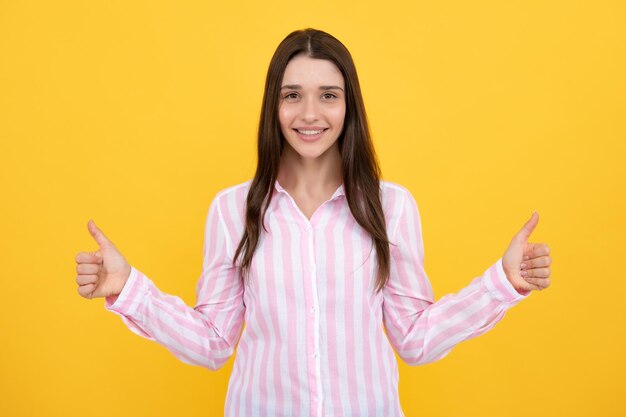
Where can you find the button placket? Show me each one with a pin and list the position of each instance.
(314, 318)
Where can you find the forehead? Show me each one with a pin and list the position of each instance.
(304, 70)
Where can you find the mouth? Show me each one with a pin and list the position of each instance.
(310, 134)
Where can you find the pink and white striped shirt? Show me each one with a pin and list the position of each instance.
(313, 342)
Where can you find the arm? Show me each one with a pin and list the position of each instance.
(205, 335)
(421, 330)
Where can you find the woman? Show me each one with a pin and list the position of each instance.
(315, 255)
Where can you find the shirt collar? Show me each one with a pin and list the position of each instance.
(339, 192)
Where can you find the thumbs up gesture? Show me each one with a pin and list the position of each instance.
(101, 273)
(526, 264)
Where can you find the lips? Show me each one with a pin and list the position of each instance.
(310, 134)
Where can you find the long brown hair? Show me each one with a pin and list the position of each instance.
(361, 173)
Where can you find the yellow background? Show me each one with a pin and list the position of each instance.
(135, 113)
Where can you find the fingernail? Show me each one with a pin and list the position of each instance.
(526, 257)
(523, 273)
(522, 266)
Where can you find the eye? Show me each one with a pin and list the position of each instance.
(290, 96)
(329, 96)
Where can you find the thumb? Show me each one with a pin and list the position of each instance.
(523, 235)
(97, 234)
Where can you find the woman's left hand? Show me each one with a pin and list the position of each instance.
(527, 264)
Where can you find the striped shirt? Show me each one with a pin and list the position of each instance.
(314, 341)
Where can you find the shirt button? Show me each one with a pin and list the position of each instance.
(311, 267)
(314, 355)
(312, 310)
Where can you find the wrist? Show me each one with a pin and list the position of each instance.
(513, 277)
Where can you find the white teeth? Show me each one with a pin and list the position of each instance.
(309, 132)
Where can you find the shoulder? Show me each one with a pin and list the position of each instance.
(234, 191)
(394, 195)
(231, 201)
(399, 206)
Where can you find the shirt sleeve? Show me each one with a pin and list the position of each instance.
(421, 330)
(205, 335)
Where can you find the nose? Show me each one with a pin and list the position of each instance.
(310, 109)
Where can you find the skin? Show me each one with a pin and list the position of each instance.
(104, 272)
(527, 264)
(311, 172)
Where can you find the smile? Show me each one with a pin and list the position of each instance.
(309, 132)
(310, 135)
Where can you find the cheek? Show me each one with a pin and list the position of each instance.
(281, 116)
(284, 117)
(339, 116)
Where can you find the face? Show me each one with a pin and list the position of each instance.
(312, 106)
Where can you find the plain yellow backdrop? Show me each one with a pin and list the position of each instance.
(135, 113)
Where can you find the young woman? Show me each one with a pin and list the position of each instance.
(315, 255)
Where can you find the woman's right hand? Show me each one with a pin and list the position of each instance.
(102, 273)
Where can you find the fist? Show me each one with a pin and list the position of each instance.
(104, 272)
(527, 264)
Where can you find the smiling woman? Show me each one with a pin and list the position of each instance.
(311, 113)
(311, 181)
(317, 256)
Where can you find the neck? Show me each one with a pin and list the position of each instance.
(310, 176)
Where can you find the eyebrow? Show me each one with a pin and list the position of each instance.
(322, 87)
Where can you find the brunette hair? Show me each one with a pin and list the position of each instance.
(361, 173)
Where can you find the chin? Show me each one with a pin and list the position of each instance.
(313, 153)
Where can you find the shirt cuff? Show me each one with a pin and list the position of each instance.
(498, 284)
(127, 301)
